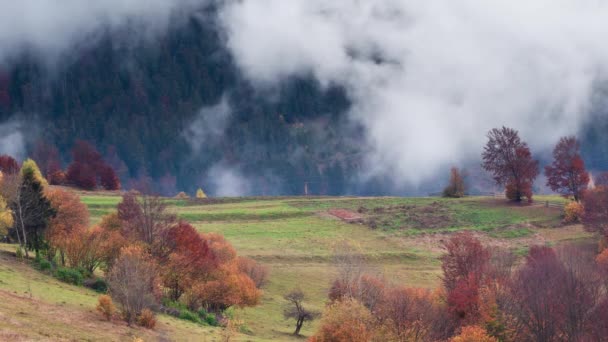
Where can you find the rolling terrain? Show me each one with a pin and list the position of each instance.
(401, 239)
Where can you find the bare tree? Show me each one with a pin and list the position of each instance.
(351, 266)
(146, 219)
(295, 309)
(132, 282)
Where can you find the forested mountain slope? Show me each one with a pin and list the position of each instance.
(176, 108)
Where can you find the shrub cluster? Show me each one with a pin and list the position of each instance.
(486, 295)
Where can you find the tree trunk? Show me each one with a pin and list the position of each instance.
(22, 225)
(298, 326)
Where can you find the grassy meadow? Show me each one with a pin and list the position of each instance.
(295, 237)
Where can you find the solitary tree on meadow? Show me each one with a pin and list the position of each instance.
(297, 311)
(567, 174)
(456, 187)
(509, 160)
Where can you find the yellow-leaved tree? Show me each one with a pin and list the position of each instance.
(200, 193)
(30, 166)
(6, 217)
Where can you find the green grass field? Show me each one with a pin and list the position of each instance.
(295, 236)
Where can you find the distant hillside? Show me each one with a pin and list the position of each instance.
(155, 108)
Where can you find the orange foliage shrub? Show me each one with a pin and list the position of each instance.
(91, 248)
(111, 222)
(346, 320)
(70, 219)
(57, 177)
(258, 273)
(473, 333)
(226, 291)
(408, 314)
(573, 212)
(106, 306)
(222, 249)
(191, 259)
(146, 319)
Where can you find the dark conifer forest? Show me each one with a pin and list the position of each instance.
(150, 107)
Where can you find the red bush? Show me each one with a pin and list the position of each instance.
(8, 165)
(82, 175)
(108, 178)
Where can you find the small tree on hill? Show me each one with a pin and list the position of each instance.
(132, 282)
(71, 216)
(510, 162)
(200, 194)
(567, 174)
(456, 187)
(295, 309)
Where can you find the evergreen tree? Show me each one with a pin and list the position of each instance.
(31, 209)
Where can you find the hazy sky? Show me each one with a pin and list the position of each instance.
(427, 78)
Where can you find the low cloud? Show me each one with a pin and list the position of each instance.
(51, 28)
(227, 181)
(208, 125)
(429, 79)
(12, 139)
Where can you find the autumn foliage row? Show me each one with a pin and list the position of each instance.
(150, 255)
(486, 295)
(147, 254)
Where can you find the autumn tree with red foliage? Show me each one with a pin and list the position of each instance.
(191, 259)
(465, 257)
(510, 162)
(464, 266)
(88, 169)
(595, 203)
(8, 165)
(108, 178)
(567, 174)
(555, 295)
(82, 175)
(84, 152)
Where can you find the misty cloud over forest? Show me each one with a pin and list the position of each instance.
(425, 80)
